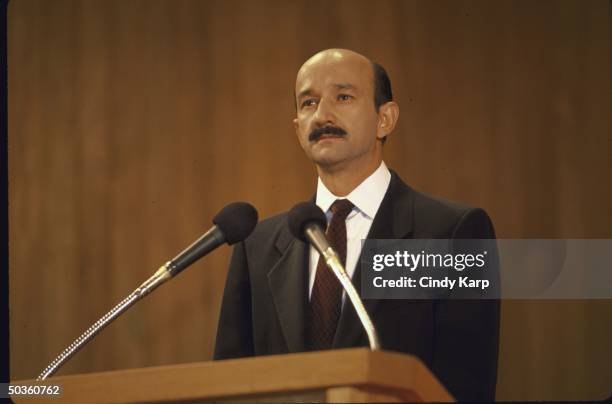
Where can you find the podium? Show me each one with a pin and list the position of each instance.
(345, 375)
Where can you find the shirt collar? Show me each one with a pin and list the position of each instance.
(367, 196)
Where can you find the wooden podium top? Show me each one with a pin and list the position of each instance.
(404, 376)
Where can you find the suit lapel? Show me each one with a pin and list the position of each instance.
(394, 220)
(289, 287)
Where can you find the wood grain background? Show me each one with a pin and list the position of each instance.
(132, 122)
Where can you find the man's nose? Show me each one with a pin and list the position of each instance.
(325, 113)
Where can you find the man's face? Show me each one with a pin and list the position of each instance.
(335, 93)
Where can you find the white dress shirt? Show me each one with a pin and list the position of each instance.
(367, 198)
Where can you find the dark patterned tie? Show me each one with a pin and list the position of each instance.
(326, 297)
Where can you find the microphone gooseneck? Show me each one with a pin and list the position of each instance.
(232, 224)
(306, 222)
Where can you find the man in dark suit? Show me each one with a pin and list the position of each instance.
(271, 304)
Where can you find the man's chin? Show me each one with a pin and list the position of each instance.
(328, 153)
(327, 160)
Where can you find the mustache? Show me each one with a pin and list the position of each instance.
(331, 130)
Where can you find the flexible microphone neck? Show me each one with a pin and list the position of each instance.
(232, 224)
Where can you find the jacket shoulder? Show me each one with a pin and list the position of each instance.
(441, 218)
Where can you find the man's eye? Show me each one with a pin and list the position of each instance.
(344, 97)
(308, 103)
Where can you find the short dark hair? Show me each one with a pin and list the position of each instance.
(382, 89)
(382, 86)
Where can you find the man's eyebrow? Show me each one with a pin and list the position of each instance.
(343, 86)
(339, 86)
(304, 93)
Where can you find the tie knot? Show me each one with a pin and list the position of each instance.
(341, 208)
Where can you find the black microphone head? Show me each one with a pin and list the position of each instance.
(303, 214)
(236, 220)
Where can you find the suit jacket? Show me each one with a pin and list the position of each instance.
(266, 297)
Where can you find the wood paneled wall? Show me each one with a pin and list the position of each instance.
(132, 122)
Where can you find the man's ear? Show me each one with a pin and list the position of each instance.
(388, 114)
(296, 126)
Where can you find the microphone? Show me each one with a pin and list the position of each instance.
(232, 224)
(306, 222)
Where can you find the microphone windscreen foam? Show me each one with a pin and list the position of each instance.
(303, 214)
(236, 220)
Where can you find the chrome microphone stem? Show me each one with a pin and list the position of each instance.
(159, 277)
(333, 262)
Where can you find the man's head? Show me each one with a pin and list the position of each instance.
(344, 110)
